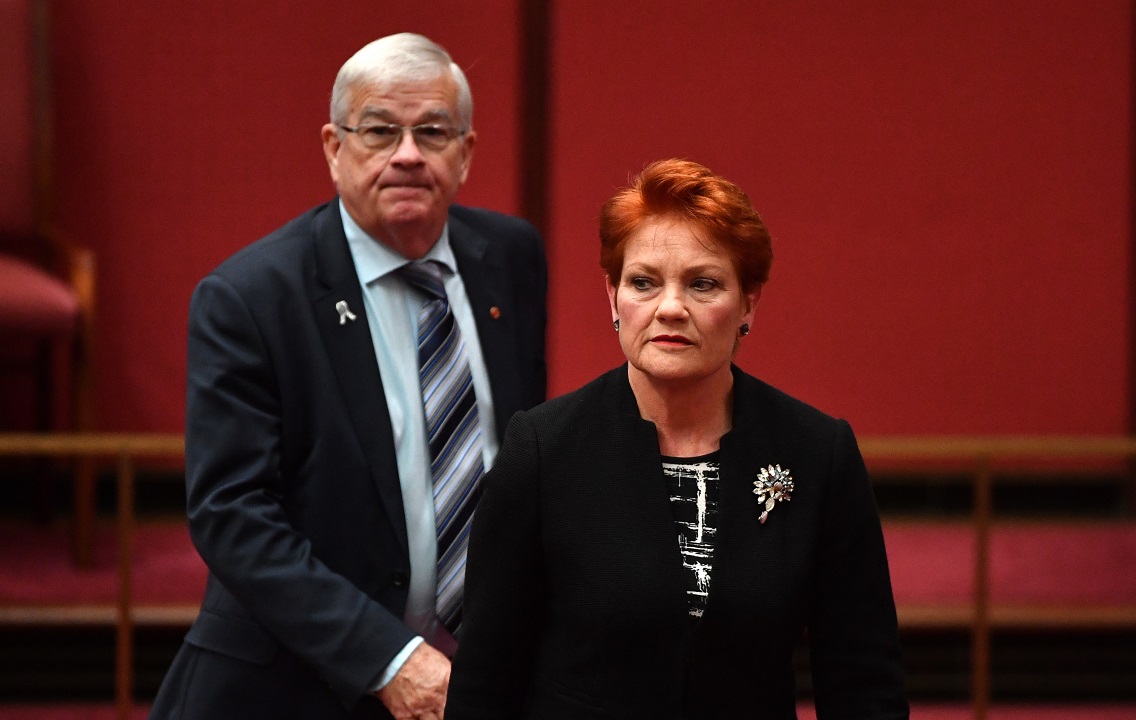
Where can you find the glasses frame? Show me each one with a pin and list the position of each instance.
(360, 131)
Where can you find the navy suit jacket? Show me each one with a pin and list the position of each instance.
(294, 498)
(575, 605)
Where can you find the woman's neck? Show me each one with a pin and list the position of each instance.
(690, 416)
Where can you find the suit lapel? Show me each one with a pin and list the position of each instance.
(494, 313)
(743, 542)
(634, 448)
(352, 356)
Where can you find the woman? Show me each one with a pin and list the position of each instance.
(654, 544)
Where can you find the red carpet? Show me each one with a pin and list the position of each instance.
(1052, 563)
(35, 566)
(930, 563)
(918, 712)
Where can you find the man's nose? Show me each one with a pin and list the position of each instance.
(406, 152)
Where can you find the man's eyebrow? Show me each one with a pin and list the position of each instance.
(373, 113)
(429, 116)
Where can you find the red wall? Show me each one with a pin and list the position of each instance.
(947, 184)
(189, 128)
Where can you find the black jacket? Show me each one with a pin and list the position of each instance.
(575, 597)
(293, 489)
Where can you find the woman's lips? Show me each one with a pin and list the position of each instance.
(671, 340)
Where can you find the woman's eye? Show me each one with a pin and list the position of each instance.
(703, 284)
(640, 283)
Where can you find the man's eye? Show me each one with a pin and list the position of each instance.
(433, 132)
(383, 131)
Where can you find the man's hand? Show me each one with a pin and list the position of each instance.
(418, 690)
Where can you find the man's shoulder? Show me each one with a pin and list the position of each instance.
(285, 249)
(492, 222)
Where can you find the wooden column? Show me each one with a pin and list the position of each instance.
(124, 621)
(980, 627)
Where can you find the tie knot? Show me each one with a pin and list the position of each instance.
(426, 275)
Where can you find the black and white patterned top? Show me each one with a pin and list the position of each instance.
(694, 502)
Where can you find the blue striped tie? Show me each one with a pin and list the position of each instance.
(453, 433)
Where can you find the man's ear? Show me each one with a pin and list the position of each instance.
(467, 142)
(331, 142)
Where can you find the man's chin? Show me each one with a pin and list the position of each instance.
(406, 214)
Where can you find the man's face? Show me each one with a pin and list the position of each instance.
(399, 195)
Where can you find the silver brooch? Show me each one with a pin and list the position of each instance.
(771, 487)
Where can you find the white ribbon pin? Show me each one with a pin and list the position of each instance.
(345, 313)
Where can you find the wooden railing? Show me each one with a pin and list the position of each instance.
(125, 450)
(978, 456)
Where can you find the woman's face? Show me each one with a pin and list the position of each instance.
(679, 303)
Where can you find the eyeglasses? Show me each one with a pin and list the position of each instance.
(384, 136)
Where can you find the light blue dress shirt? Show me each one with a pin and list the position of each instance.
(392, 309)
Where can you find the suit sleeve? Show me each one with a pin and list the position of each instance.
(504, 595)
(853, 633)
(237, 512)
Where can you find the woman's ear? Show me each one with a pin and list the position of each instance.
(751, 299)
(611, 293)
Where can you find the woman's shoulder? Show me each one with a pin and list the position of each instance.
(584, 402)
(756, 398)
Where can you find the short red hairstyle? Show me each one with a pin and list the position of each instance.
(691, 193)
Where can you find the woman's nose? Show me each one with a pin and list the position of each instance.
(671, 303)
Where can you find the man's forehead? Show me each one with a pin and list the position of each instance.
(389, 113)
(436, 97)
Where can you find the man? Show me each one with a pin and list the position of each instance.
(329, 500)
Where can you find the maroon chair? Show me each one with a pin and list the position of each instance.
(47, 284)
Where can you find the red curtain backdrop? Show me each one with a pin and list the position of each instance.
(947, 184)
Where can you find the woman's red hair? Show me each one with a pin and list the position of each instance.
(691, 193)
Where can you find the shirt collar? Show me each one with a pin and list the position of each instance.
(374, 260)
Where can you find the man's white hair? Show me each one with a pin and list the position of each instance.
(405, 57)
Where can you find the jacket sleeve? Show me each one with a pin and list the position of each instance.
(504, 586)
(853, 633)
(237, 507)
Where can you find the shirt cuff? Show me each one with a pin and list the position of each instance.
(396, 664)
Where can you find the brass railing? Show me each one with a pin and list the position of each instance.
(978, 456)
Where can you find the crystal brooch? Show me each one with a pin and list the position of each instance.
(771, 487)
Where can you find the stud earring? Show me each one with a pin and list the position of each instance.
(744, 329)
(616, 325)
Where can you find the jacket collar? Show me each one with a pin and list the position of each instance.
(747, 420)
(482, 269)
(351, 354)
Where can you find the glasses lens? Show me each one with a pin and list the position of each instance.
(388, 135)
(432, 137)
(379, 137)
